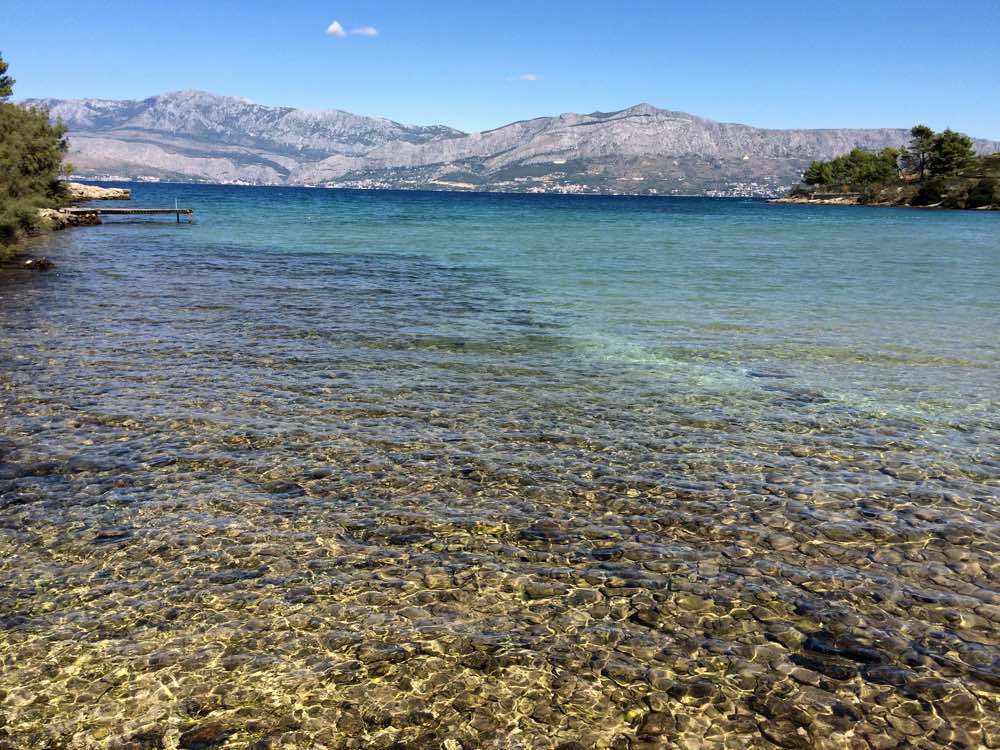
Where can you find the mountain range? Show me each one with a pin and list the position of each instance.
(202, 137)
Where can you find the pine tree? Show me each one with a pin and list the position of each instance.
(6, 82)
(916, 156)
(819, 173)
(949, 153)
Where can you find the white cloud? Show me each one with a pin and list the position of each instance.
(528, 77)
(337, 29)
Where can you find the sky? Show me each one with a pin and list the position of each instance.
(477, 65)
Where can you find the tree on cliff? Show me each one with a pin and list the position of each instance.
(31, 154)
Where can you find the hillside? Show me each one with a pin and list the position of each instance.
(192, 135)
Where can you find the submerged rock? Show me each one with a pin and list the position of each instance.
(847, 648)
(204, 736)
(39, 264)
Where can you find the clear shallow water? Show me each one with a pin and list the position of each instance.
(349, 469)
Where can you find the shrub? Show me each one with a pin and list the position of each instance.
(858, 168)
(931, 192)
(871, 194)
(31, 154)
(19, 218)
(983, 193)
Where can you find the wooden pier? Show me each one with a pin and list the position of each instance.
(178, 212)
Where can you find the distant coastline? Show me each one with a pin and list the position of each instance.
(119, 179)
(751, 193)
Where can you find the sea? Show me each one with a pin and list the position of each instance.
(351, 469)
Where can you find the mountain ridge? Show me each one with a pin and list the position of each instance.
(196, 135)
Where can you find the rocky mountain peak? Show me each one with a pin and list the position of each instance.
(197, 135)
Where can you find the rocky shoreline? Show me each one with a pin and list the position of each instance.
(833, 200)
(854, 199)
(60, 218)
(57, 219)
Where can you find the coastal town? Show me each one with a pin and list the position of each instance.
(555, 184)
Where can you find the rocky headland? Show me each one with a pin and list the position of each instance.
(935, 170)
(61, 218)
(78, 192)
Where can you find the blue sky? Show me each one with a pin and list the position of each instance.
(476, 65)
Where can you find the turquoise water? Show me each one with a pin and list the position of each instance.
(349, 469)
(694, 287)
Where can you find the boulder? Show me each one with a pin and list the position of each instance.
(58, 219)
(78, 192)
